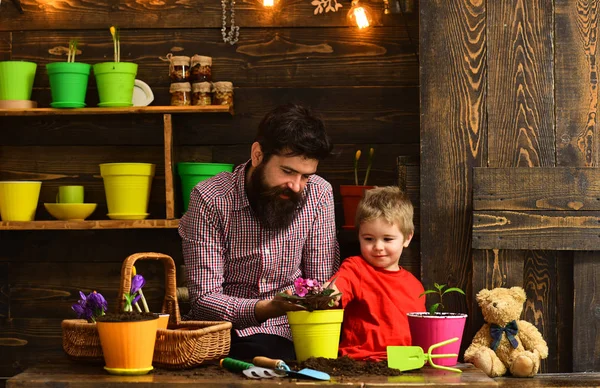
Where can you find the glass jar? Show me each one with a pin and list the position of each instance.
(201, 69)
(179, 68)
(181, 94)
(223, 93)
(201, 94)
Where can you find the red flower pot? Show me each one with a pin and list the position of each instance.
(351, 196)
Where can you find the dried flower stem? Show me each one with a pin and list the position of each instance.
(369, 163)
(356, 157)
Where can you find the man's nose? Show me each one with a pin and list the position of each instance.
(295, 184)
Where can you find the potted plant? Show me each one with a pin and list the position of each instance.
(128, 338)
(68, 80)
(352, 194)
(315, 330)
(436, 326)
(116, 79)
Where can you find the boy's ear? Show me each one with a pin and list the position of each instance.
(407, 240)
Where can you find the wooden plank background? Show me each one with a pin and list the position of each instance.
(364, 84)
(538, 113)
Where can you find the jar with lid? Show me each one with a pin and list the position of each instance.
(223, 93)
(179, 68)
(201, 69)
(181, 93)
(201, 94)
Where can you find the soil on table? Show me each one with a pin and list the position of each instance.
(338, 367)
(127, 316)
(345, 366)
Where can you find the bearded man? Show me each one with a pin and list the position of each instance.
(249, 234)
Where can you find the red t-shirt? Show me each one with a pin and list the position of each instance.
(376, 302)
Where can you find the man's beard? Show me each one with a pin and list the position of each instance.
(272, 211)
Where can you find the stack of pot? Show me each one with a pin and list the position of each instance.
(16, 83)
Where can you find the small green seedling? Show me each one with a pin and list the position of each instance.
(441, 292)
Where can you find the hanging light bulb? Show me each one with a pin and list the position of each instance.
(268, 3)
(360, 15)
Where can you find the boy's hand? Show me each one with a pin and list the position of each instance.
(336, 291)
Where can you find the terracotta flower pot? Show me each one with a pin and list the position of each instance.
(351, 196)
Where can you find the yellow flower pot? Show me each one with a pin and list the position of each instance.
(316, 333)
(19, 199)
(127, 187)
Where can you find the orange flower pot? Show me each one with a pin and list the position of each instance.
(128, 347)
(351, 196)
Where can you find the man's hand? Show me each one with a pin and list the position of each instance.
(273, 308)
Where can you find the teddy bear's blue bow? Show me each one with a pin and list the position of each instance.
(511, 330)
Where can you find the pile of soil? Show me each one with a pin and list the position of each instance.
(345, 366)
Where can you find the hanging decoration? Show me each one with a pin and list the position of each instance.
(327, 5)
(232, 36)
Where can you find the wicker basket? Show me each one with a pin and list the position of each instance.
(81, 341)
(184, 344)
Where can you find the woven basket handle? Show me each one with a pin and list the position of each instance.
(170, 304)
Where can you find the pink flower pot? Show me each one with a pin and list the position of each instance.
(427, 330)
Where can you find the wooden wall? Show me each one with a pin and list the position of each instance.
(511, 84)
(363, 83)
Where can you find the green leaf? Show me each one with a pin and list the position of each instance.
(433, 308)
(439, 286)
(453, 289)
(428, 292)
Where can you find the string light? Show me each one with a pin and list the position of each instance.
(359, 15)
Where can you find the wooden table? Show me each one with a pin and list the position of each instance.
(82, 376)
(72, 375)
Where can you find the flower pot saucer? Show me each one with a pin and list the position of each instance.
(127, 216)
(67, 104)
(114, 104)
(127, 371)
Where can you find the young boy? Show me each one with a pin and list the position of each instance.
(376, 292)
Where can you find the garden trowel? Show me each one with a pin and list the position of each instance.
(281, 366)
(412, 357)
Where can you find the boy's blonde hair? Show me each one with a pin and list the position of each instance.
(389, 203)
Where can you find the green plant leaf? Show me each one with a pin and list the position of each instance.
(433, 308)
(439, 286)
(453, 289)
(428, 292)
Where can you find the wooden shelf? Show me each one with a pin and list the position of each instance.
(89, 224)
(113, 111)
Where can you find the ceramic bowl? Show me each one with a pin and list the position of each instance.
(70, 211)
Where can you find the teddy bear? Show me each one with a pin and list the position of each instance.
(505, 342)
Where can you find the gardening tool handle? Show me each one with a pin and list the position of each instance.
(267, 362)
(444, 355)
(233, 365)
(170, 305)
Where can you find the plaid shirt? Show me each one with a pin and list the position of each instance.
(232, 262)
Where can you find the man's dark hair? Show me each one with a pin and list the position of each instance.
(293, 130)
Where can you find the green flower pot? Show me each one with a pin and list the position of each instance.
(115, 82)
(68, 83)
(193, 173)
(16, 80)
